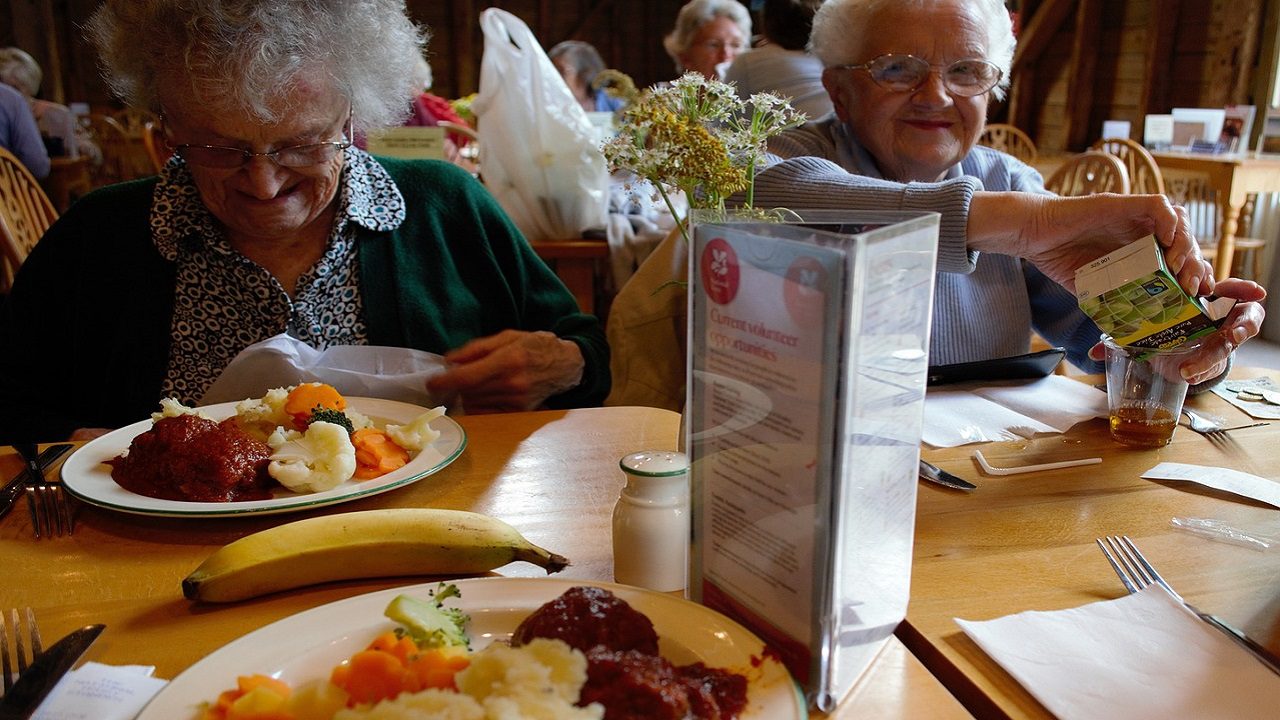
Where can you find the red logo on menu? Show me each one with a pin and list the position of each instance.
(720, 271)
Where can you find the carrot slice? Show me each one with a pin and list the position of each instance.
(307, 397)
(373, 675)
(376, 453)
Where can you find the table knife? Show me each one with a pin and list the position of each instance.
(935, 474)
(45, 671)
(11, 490)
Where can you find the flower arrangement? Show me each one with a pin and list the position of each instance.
(698, 137)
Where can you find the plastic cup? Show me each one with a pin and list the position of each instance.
(1145, 390)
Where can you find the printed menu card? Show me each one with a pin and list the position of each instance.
(808, 360)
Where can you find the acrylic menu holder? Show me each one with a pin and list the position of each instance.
(808, 361)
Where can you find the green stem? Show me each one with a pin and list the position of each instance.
(682, 224)
(751, 182)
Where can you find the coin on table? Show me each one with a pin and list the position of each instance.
(1251, 395)
(1271, 396)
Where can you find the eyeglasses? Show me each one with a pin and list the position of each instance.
(294, 156)
(721, 45)
(906, 73)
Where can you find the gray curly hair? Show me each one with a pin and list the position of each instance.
(697, 13)
(838, 25)
(247, 54)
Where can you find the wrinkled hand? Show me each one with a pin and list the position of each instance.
(1059, 234)
(86, 434)
(513, 370)
(1243, 322)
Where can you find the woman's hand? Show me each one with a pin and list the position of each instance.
(1059, 235)
(1243, 322)
(513, 370)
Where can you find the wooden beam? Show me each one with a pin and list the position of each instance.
(1038, 31)
(1083, 72)
(1162, 28)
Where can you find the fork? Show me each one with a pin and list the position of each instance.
(26, 647)
(51, 512)
(1205, 426)
(1136, 573)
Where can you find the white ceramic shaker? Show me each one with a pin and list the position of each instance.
(651, 522)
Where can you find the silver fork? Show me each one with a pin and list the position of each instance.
(1136, 573)
(51, 511)
(26, 645)
(1205, 426)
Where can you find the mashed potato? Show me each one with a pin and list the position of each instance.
(539, 681)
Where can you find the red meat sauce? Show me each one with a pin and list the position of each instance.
(191, 458)
(625, 674)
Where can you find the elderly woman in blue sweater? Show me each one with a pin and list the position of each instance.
(268, 221)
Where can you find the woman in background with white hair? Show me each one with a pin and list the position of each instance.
(708, 35)
(57, 125)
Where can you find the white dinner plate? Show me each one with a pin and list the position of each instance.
(307, 645)
(87, 476)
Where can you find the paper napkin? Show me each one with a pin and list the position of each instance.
(959, 415)
(1141, 656)
(95, 691)
(1232, 481)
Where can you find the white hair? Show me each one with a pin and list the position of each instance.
(838, 25)
(248, 54)
(697, 13)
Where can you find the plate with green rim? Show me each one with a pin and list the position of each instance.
(87, 476)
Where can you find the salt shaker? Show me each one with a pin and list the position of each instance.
(651, 521)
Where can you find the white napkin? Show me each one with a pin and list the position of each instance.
(390, 373)
(1232, 481)
(970, 413)
(1142, 656)
(95, 691)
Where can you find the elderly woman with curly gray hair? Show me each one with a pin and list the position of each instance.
(268, 221)
(708, 35)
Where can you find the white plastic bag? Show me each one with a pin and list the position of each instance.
(538, 154)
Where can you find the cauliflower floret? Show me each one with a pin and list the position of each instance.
(315, 461)
(170, 407)
(418, 433)
(358, 421)
(259, 416)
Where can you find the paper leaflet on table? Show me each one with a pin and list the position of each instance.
(963, 414)
(1230, 390)
(1225, 479)
(95, 691)
(1141, 656)
(390, 373)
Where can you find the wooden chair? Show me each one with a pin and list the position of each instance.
(1204, 213)
(1088, 173)
(111, 138)
(1144, 174)
(25, 213)
(157, 146)
(1009, 139)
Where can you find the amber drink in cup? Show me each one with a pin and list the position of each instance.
(1145, 390)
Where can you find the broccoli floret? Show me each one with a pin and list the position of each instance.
(430, 623)
(320, 413)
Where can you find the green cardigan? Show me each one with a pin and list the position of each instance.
(86, 326)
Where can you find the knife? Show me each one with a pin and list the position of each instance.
(935, 474)
(10, 492)
(45, 671)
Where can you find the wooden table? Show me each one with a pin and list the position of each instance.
(1233, 176)
(554, 475)
(1026, 542)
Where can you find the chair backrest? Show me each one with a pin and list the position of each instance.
(1088, 173)
(112, 139)
(157, 147)
(1009, 139)
(25, 213)
(1144, 173)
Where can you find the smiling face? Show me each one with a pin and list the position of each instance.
(916, 135)
(717, 42)
(261, 201)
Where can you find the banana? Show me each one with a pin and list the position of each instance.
(372, 543)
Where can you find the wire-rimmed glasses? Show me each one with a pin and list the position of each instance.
(294, 156)
(906, 73)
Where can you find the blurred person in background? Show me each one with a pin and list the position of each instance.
(708, 35)
(59, 130)
(780, 64)
(268, 221)
(579, 63)
(19, 134)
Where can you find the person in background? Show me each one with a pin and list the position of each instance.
(910, 83)
(780, 64)
(268, 221)
(58, 127)
(708, 35)
(19, 134)
(579, 63)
